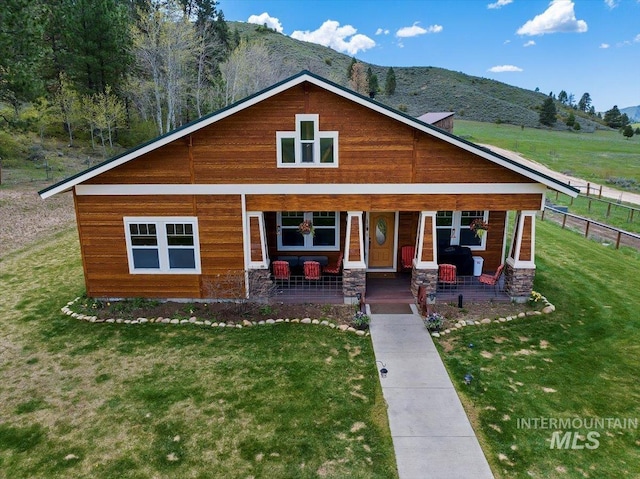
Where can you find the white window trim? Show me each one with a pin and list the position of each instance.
(296, 135)
(456, 227)
(163, 247)
(308, 239)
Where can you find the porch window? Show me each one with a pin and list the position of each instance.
(325, 236)
(307, 146)
(452, 228)
(162, 245)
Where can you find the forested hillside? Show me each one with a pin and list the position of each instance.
(109, 74)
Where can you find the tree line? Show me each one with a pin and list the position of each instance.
(100, 66)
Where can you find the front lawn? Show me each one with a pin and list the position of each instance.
(137, 401)
(580, 362)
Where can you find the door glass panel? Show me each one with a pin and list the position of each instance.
(381, 231)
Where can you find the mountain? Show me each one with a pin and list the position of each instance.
(419, 89)
(633, 112)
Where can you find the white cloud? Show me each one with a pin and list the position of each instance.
(265, 18)
(499, 4)
(381, 31)
(415, 30)
(604, 45)
(505, 68)
(331, 34)
(611, 3)
(530, 43)
(637, 38)
(558, 17)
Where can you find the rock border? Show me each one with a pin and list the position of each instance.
(547, 309)
(66, 310)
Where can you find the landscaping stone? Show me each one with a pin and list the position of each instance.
(548, 309)
(315, 321)
(306, 321)
(485, 321)
(271, 321)
(247, 323)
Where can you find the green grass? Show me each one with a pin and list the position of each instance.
(614, 215)
(87, 400)
(601, 156)
(581, 361)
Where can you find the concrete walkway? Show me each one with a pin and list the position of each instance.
(432, 436)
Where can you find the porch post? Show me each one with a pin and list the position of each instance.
(259, 283)
(520, 266)
(425, 264)
(354, 270)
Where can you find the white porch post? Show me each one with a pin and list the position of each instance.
(520, 266)
(257, 277)
(354, 270)
(425, 263)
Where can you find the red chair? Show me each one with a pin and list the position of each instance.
(492, 279)
(334, 268)
(448, 274)
(407, 253)
(281, 270)
(311, 270)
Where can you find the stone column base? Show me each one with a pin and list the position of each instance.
(518, 282)
(260, 285)
(354, 281)
(426, 277)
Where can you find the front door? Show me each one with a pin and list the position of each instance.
(381, 240)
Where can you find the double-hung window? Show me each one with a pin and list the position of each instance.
(307, 146)
(162, 245)
(453, 228)
(325, 234)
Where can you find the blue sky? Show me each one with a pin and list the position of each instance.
(573, 45)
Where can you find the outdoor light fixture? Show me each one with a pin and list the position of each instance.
(383, 370)
(467, 378)
(358, 296)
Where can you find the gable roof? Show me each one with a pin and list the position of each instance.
(435, 116)
(305, 76)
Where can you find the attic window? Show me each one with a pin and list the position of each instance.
(307, 146)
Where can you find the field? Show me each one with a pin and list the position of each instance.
(579, 362)
(605, 157)
(99, 400)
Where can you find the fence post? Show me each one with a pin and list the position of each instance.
(564, 220)
(586, 230)
(588, 188)
(608, 210)
(600, 194)
(589, 205)
(618, 240)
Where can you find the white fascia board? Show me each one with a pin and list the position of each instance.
(312, 189)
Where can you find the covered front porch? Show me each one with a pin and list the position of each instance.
(366, 257)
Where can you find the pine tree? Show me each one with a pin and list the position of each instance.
(548, 112)
(390, 82)
(613, 118)
(628, 132)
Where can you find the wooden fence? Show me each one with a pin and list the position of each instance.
(590, 228)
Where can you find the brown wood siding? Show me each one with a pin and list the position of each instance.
(256, 243)
(525, 247)
(104, 251)
(103, 245)
(354, 241)
(330, 202)
(427, 240)
(221, 250)
(407, 230)
(495, 236)
(167, 165)
(373, 148)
